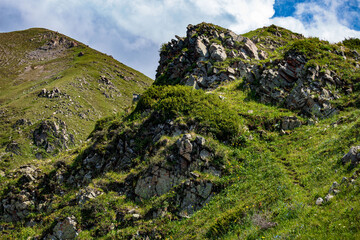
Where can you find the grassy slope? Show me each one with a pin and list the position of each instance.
(22, 78)
(280, 179)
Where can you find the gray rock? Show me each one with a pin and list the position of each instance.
(185, 147)
(205, 155)
(251, 48)
(217, 52)
(66, 229)
(328, 197)
(352, 156)
(201, 49)
(200, 141)
(263, 55)
(319, 201)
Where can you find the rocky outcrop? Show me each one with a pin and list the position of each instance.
(353, 156)
(52, 135)
(21, 122)
(55, 46)
(192, 155)
(210, 55)
(193, 60)
(17, 205)
(288, 83)
(55, 93)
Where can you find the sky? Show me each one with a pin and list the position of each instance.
(132, 31)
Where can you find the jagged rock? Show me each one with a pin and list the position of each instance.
(251, 48)
(333, 189)
(353, 156)
(136, 97)
(201, 49)
(262, 55)
(192, 156)
(217, 52)
(105, 80)
(18, 205)
(65, 230)
(192, 196)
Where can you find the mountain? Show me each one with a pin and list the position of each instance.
(250, 136)
(53, 89)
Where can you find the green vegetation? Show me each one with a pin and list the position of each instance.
(207, 111)
(352, 43)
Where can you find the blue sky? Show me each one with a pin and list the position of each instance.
(133, 30)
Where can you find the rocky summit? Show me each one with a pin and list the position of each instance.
(252, 136)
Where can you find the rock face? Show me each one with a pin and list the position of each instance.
(296, 87)
(210, 55)
(52, 135)
(178, 173)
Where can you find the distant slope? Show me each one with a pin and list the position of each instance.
(45, 75)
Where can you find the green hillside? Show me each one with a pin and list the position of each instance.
(46, 76)
(252, 136)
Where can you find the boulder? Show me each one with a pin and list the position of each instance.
(201, 49)
(319, 201)
(217, 52)
(353, 156)
(86, 194)
(65, 230)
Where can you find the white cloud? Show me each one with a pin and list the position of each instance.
(320, 19)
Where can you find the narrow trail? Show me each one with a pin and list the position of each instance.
(291, 172)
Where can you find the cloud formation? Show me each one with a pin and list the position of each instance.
(132, 31)
(323, 19)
